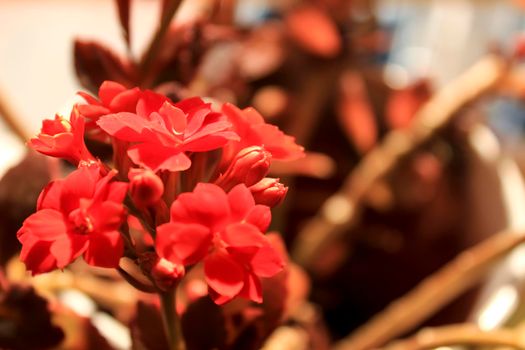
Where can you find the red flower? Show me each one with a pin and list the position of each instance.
(162, 133)
(114, 98)
(80, 214)
(226, 231)
(63, 138)
(254, 131)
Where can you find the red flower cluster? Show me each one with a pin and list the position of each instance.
(226, 231)
(220, 207)
(78, 215)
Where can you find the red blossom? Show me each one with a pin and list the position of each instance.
(80, 214)
(113, 98)
(254, 131)
(63, 138)
(162, 132)
(226, 232)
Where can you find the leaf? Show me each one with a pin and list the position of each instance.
(26, 321)
(164, 8)
(18, 199)
(281, 293)
(203, 325)
(123, 7)
(95, 63)
(355, 113)
(314, 31)
(147, 330)
(403, 104)
(262, 52)
(168, 10)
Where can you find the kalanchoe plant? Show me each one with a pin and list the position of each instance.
(195, 178)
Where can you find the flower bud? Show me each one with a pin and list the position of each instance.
(145, 188)
(166, 274)
(269, 192)
(248, 167)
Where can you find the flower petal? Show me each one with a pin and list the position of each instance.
(108, 90)
(196, 119)
(243, 235)
(206, 205)
(36, 256)
(68, 248)
(117, 191)
(210, 142)
(124, 126)
(252, 288)
(260, 216)
(45, 225)
(189, 104)
(241, 202)
(157, 157)
(79, 184)
(125, 101)
(223, 274)
(267, 262)
(186, 243)
(150, 102)
(107, 216)
(174, 118)
(280, 145)
(49, 198)
(105, 249)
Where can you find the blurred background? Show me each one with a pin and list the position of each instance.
(413, 115)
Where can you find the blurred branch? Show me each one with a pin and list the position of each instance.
(11, 119)
(461, 334)
(436, 291)
(339, 212)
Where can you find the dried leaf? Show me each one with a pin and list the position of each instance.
(403, 104)
(314, 31)
(262, 52)
(18, 198)
(26, 321)
(281, 293)
(203, 325)
(123, 7)
(147, 330)
(355, 113)
(314, 164)
(149, 63)
(95, 63)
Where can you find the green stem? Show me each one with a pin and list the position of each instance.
(171, 321)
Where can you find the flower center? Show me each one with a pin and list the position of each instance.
(82, 222)
(217, 244)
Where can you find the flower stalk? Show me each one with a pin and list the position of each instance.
(171, 321)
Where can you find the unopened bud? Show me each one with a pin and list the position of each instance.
(166, 274)
(269, 192)
(248, 167)
(146, 188)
